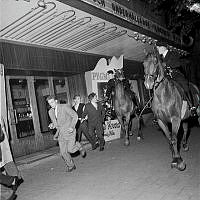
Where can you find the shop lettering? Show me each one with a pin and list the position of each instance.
(109, 133)
(100, 2)
(123, 12)
(99, 76)
(113, 125)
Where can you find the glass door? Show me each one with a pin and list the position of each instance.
(22, 113)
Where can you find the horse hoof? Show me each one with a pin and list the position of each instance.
(181, 166)
(185, 147)
(130, 134)
(126, 143)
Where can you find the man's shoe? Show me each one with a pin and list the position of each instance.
(71, 168)
(18, 182)
(83, 152)
(95, 146)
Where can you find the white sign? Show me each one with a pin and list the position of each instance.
(97, 79)
(112, 130)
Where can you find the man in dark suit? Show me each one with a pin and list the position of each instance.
(172, 62)
(96, 114)
(126, 84)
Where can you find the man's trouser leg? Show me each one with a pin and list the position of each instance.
(6, 180)
(84, 129)
(63, 144)
(72, 145)
(99, 132)
(11, 169)
(91, 130)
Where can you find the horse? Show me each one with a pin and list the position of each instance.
(124, 107)
(168, 106)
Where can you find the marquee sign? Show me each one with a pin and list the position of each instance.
(123, 12)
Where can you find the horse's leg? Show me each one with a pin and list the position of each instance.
(130, 127)
(165, 129)
(139, 131)
(185, 137)
(122, 125)
(126, 126)
(177, 160)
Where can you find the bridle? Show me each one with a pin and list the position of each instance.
(154, 76)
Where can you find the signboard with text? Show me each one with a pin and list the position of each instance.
(112, 130)
(129, 15)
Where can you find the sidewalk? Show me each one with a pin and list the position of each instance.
(48, 154)
(34, 159)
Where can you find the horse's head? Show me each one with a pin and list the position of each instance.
(152, 70)
(119, 74)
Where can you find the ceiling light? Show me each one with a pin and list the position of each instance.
(41, 4)
(195, 7)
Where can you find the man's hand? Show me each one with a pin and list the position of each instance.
(51, 126)
(55, 137)
(70, 130)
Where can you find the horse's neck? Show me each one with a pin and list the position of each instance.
(119, 90)
(160, 76)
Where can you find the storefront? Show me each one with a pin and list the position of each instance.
(47, 47)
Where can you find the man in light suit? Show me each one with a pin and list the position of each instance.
(64, 119)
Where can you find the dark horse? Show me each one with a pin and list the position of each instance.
(124, 107)
(168, 105)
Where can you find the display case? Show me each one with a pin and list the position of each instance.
(21, 108)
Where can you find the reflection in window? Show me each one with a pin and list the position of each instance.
(41, 92)
(60, 90)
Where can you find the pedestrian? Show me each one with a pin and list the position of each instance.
(64, 119)
(96, 113)
(7, 163)
(8, 183)
(78, 108)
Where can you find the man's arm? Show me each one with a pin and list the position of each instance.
(73, 115)
(53, 119)
(85, 112)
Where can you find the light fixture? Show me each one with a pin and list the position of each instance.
(194, 7)
(41, 4)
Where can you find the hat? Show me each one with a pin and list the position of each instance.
(110, 72)
(161, 43)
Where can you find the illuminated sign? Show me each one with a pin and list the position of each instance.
(123, 12)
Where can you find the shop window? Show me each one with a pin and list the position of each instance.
(21, 108)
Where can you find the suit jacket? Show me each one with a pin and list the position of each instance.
(79, 111)
(94, 115)
(66, 118)
(172, 60)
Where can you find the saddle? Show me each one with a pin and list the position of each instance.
(192, 101)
